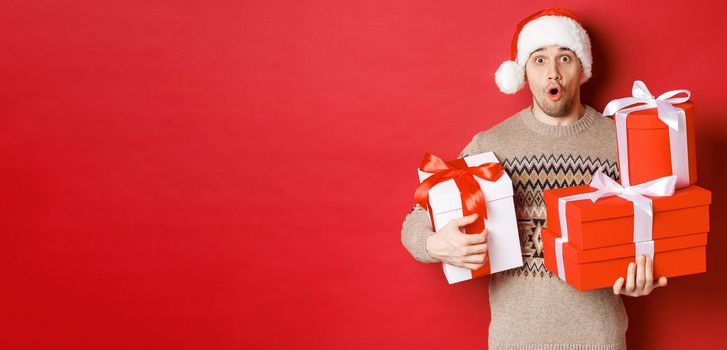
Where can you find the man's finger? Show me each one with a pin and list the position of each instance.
(476, 249)
(618, 285)
(472, 266)
(465, 220)
(649, 276)
(476, 238)
(474, 259)
(662, 282)
(640, 280)
(630, 276)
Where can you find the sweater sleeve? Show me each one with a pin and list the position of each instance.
(416, 228)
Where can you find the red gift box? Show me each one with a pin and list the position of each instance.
(595, 231)
(610, 220)
(655, 137)
(601, 267)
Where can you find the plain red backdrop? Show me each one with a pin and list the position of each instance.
(233, 174)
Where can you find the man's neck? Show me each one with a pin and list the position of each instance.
(576, 113)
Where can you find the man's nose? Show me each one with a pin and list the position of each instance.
(554, 71)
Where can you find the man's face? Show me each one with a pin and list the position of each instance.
(554, 75)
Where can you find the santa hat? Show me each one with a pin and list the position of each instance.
(554, 26)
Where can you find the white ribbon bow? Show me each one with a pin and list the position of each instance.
(667, 113)
(607, 186)
(672, 116)
(643, 210)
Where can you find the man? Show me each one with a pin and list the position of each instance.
(556, 142)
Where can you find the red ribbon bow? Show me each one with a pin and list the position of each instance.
(473, 200)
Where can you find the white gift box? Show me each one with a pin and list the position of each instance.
(503, 241)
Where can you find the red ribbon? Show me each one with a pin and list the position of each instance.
(473, 200)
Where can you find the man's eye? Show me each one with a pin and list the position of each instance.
(564, 59)
(539, 60)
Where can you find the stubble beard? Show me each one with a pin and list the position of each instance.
(556, 109)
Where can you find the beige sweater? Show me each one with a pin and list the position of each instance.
(531, 308)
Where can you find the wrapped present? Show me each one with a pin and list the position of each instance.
(601, 267)
(655, 136)
(610, 221)
(473, 184)
(604, 226)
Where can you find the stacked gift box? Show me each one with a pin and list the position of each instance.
(594, 231)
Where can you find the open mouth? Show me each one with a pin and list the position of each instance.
(554, 93)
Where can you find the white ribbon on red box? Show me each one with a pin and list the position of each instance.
(643, 210)
(673, 117)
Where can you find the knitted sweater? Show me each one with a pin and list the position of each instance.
(531, 308)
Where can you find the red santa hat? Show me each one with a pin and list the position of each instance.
(553, 26)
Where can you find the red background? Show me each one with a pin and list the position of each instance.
(230, 174)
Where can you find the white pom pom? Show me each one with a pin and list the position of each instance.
(510, 77)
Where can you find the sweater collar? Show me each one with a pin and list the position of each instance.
(585, 122)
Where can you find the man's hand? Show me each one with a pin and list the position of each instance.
(453, 247)
(639, 279)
